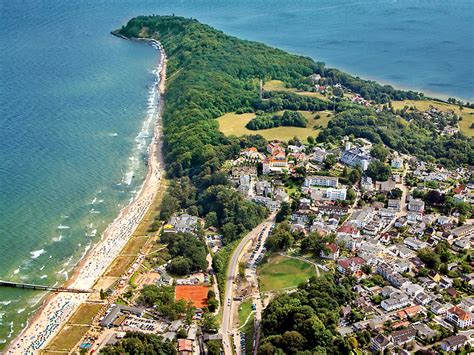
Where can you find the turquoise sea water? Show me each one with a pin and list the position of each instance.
(73, 100)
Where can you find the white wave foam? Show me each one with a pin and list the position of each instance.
(37, 253)
(43, 277)
(16, 271)
(57, 239)
(5, 303)
(93, 211)
(41, 268)
(63, 227)
(21, 310)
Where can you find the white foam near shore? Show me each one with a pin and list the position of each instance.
(61, 306)
(36, 253)
(57, 239)
(63, 227)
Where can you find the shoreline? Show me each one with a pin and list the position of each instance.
(57, 308)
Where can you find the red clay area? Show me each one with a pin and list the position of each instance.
(197, 294)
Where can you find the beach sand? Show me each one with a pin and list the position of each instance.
(57, 308)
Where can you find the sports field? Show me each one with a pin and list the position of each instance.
(281, 272)
(197, 294)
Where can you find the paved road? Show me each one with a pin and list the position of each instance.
(233, 269)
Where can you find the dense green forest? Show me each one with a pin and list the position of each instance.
(188, 253)
(307, 319)
(288, 119)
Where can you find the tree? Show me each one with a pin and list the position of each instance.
(354, 176)
(284, 212)
(396, 193)
(431, 259)
(330, 161)
(213, 347)
(209, 322)
(378, 171)
(379, 152)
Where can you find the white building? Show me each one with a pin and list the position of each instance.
(330, 194)
(316, 180)
(356, 157)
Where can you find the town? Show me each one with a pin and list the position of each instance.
(334, 216)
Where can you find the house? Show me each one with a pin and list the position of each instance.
(424, 332)
(316, 180)
(454, 342)
(366, 183)
(403, 336)
(394, 204)
(273, 165)
(409, 312)
(387, 213)
(467, 304)
(379, 343)
(397, 300)
(414, 244)
(466, 230)
(397, 163)
(318, 155)
(356, 157)
(414, 217)
(360, 218)
(185, 346)
(416, 205)
(400, 222)
(329, 193)
(422, 298)
(332, 252)
(350, 265)
(438, 308)
(413, 289)
(274, 148)
(184, 223)
(459, 317)
(387, 291)
(296, 148)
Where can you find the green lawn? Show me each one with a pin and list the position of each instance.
(85, 313)
(278, 85)
(244, 311)
(234, 124)
(67, 338)
(281, 272)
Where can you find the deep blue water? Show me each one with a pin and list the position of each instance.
(73, 99)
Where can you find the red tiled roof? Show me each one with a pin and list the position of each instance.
(461, 313)
(347, 229)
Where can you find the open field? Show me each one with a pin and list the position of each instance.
(67, 338)
(85, 313)
(281, 272)
(278, 85)
(194, 293)
(119, 266)
(234, 124)
(422, 105)
(134, 245)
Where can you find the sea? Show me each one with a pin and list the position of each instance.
(75, 104)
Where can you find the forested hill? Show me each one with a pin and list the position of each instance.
(210, 73)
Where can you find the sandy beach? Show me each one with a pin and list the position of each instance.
(57, 308)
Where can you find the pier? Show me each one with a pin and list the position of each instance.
(42, 287)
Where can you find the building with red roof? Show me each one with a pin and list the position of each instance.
(460, 317)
